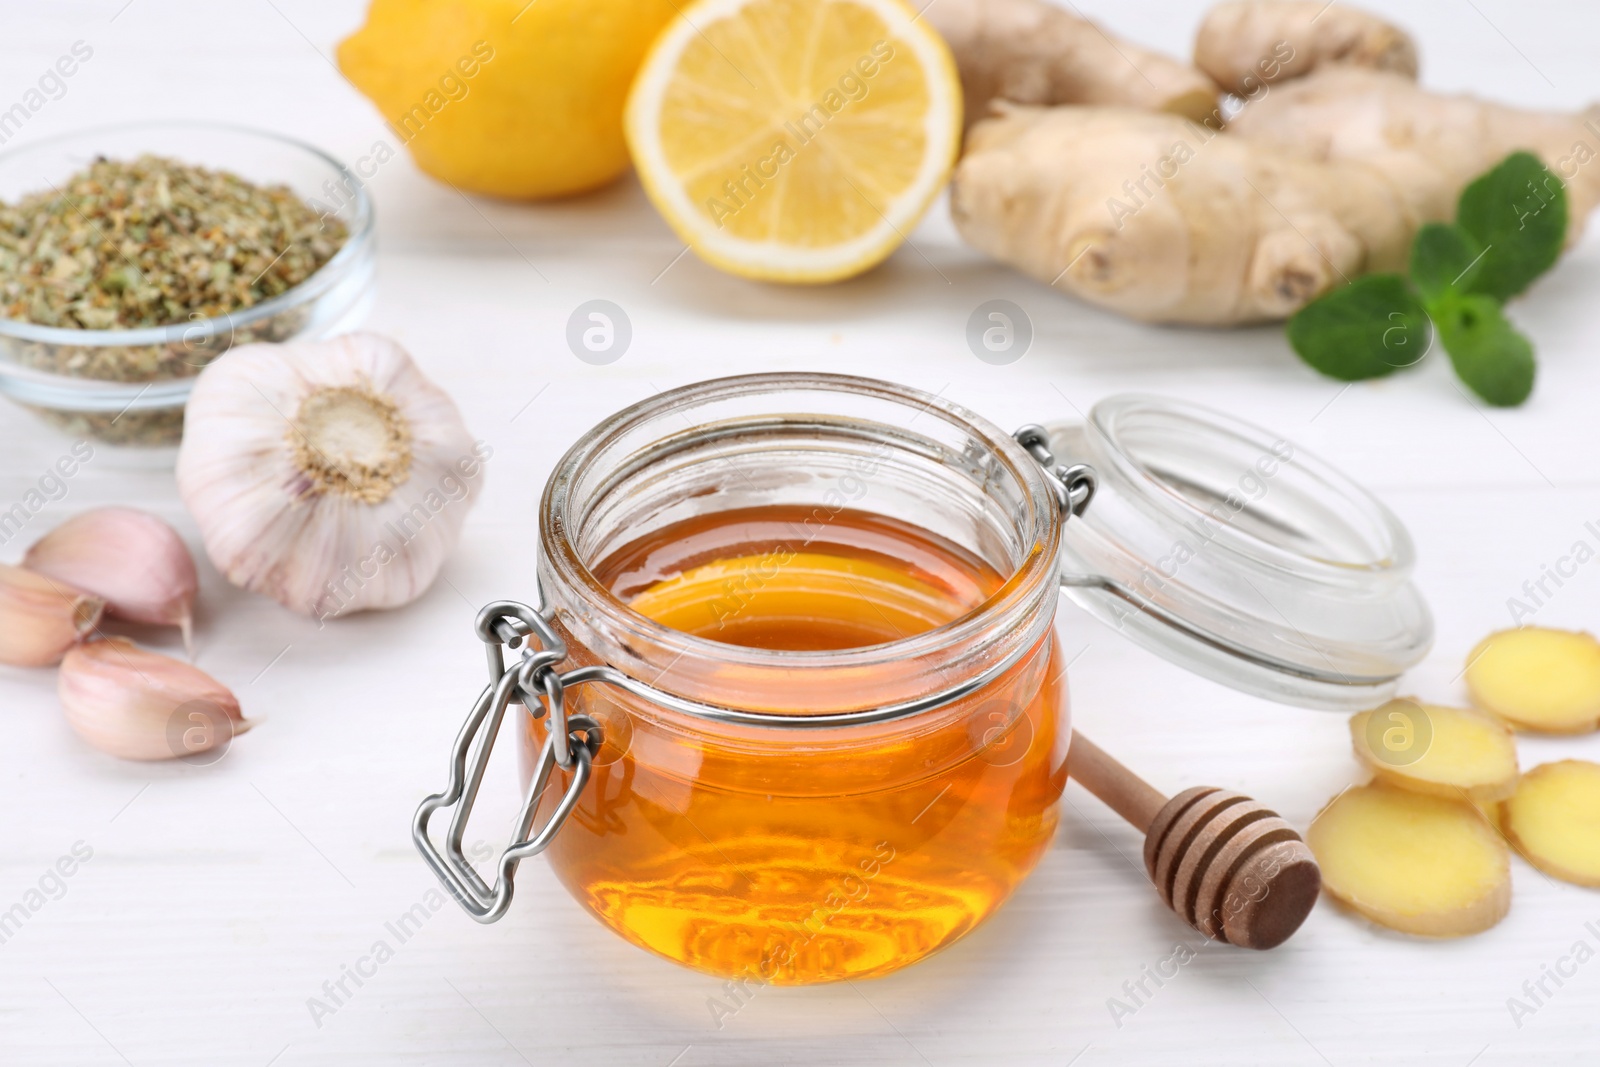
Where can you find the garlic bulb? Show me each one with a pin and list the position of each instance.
(329, 475)
(40, 618)
(142, 705)
(135, 561)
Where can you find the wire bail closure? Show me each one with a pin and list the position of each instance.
(572, 741)
(570, 745)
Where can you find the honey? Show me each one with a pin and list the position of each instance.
(773, 578)
(794, 856)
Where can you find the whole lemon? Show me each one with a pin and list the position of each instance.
(512, 98)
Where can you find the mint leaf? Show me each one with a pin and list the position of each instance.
(1443, 257)
(1489, 354)
(1518, 212)
(1367, 329)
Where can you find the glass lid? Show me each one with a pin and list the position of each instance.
(1239, 555)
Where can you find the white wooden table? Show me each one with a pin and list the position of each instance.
(219, 900)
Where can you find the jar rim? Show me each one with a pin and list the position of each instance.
(1031, 579)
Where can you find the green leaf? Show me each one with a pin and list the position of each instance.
(1489, 354)
(1518, 212)
(1443, 257)
(1367, 329)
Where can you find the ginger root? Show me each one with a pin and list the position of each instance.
(1032, 52)
(1317, 180)
(1538, 679)
(1426, 146)
(1554, 820)
(1324, 178)
(1440, 751)
(1166, 220)
(1414, 863)
(1246, 44)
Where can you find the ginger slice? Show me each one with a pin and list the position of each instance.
(1495, 812)
(1538, 679)
(1411, 862)
(1554, 820)
(1446, 752)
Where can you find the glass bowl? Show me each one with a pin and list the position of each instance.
(52, 369)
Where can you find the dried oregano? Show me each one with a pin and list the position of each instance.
(152, 242)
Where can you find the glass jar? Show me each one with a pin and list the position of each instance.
(805, 815)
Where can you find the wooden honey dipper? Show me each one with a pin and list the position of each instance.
(1229, 867)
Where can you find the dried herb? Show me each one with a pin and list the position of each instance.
(153, 242)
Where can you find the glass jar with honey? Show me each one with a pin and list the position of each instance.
(794, 704)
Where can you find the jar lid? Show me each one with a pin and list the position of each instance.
(1234, 552)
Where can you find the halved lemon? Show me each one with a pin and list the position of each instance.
(795, 140)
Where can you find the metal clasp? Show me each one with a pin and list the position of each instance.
(570, 745)
(1074, 485)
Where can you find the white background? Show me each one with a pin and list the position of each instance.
(220, 899)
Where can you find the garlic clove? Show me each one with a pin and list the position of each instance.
(141, 705)
(40, 617)
(332, 476)
(135, 561)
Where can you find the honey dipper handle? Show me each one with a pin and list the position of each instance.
(1229, 867)
(1123, 791)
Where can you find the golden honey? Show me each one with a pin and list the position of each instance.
(804, 855)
